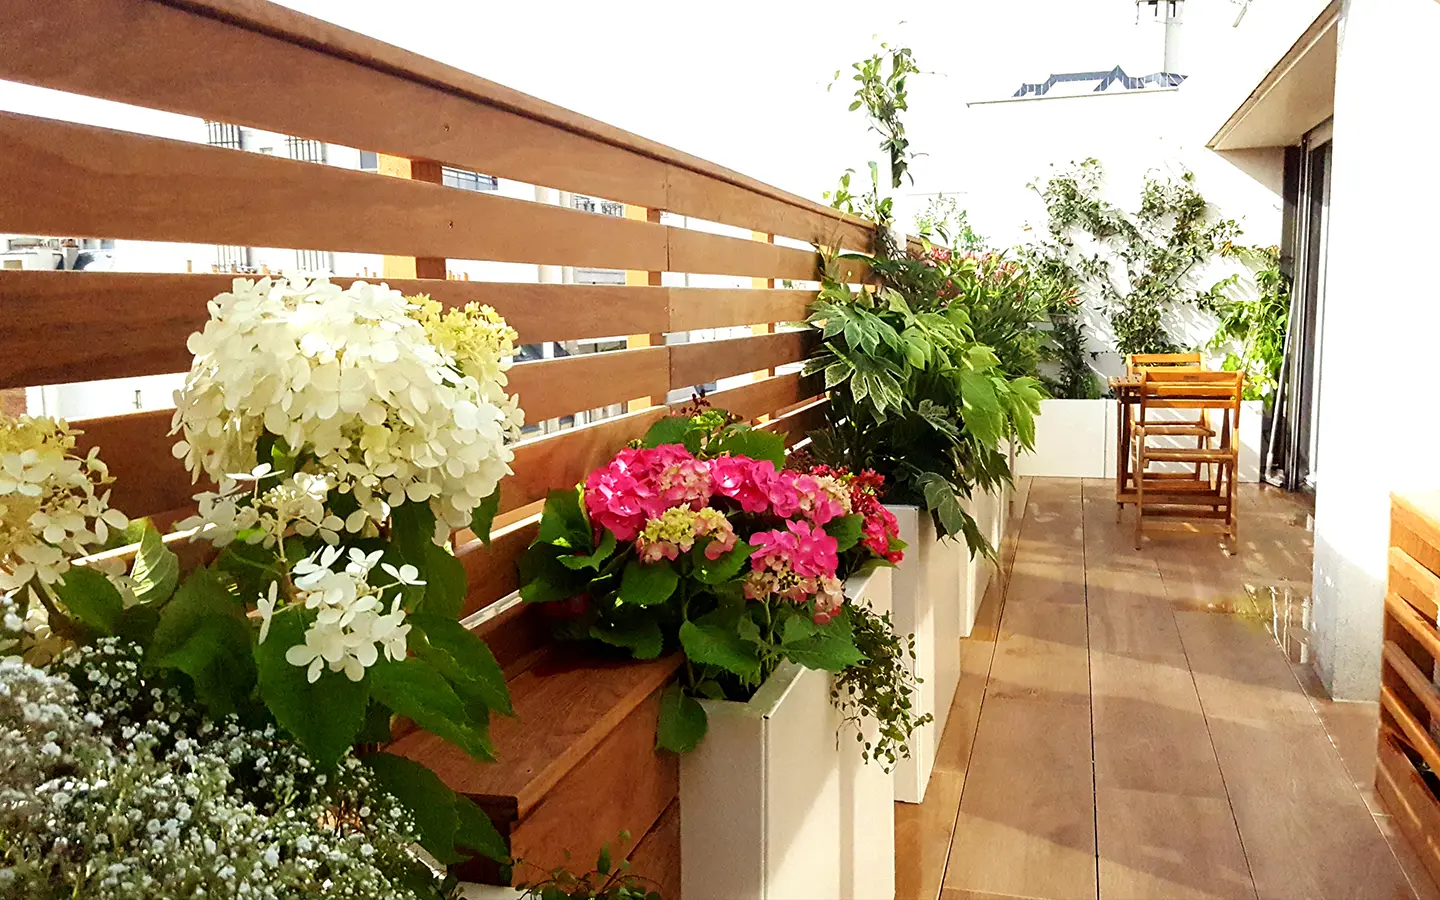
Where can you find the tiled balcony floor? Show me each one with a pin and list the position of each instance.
(1127, 726)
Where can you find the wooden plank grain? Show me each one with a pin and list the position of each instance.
(563, 459)
(136, 448)
(555, 387)
(63, 327)
(104, 183)
(704, 361)
(696, 308)
(233, 60)
(765, 397)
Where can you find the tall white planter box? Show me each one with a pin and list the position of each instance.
(1071, 440)
(775, 803)
(991, 510)
(926, 597)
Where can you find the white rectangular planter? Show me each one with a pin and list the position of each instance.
(776, 805)
(926, 597)
(1071, 440)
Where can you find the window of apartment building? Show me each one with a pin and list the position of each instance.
(223, 134)
(313, 262)
(304, 149)
(592, 205)
(233, 259)
(369, 161)
(465, 181)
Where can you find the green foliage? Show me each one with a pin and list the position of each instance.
(324, 716)
(682, 721)
(880, 686)
(945, 221)
(609, 880)
(913, 394)
(447, 821)
(1258, 326)
(880, 89)
(1138, 265)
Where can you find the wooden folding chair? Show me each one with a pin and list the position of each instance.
(1207, 499)
(1164, 363)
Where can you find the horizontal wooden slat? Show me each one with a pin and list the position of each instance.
(705, 197)
(714, 254)
(564, 707)
(695, 308)
(704, 361)
(1418, 683)
(1411, 621)
(136, 448)
(1415, 583)
(491, 571)
(1414, 732)
(76, 180)
(556, 387)
(293, 74)
(564, 459)
(797, 425)
(63, 327)
(765, 397)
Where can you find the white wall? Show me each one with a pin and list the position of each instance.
(1381, 318)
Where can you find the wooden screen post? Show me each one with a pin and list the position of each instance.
(651, 278)
(415, 170)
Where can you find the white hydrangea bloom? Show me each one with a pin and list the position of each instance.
(50, 508)
(391, 408)
(351, 628)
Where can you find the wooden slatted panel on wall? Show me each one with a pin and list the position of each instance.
(1409, 698)
(263, 66)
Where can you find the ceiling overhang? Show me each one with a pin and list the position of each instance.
(1297, 94)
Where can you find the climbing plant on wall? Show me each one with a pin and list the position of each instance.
(1142, 265)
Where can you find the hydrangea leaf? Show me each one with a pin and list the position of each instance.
(760, 445)
(669, 430)
(463, 658)
(429, 801)
(324, 716)
(592, 560)
(478, 833)
(845, 530)
(218, 659)
(682, 722)
(640, 635)
(483, 516)
(720, 644)
(830, 653)
(156, 571)
(414, 688)
(90, 599)
(445, 582)
(646, 584)
(716, 571)
(563, 521)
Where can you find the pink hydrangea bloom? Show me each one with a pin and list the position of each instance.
(743, 480)
(640, 484)
(796, 564)
(821, 499)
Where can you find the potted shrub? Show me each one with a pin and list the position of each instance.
(700, 541)
(915, 397)
(329, 588)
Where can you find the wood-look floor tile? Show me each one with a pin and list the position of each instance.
(1159, 845)
(923, 832)
(1027, 816)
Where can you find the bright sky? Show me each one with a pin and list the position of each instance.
(742, 83)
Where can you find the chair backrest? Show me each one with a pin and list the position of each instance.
(1142, 362)
(1193, 389)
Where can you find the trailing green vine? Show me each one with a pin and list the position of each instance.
(1138, 264)
(881, 687)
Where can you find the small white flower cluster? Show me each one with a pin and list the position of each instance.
(116, 794)
(351, 626)
(50, 510)
(377, 400)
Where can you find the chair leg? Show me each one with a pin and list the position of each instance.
(1139, 494)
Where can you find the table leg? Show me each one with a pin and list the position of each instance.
(1122, 451)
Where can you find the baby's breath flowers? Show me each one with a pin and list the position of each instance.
(386, 399)
(113, 788)
(52, 508)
